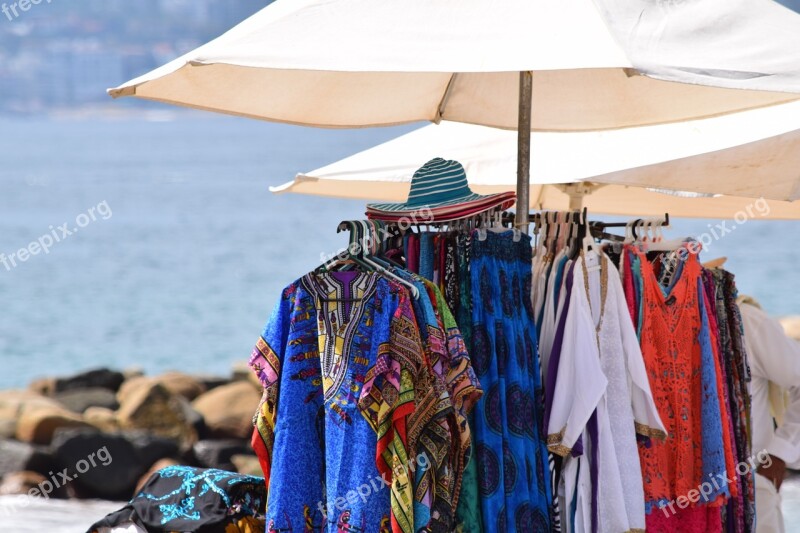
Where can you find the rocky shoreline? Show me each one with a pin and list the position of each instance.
(100, 434)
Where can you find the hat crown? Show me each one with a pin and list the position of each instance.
(438, 181)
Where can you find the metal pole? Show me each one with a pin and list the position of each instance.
(524, 149)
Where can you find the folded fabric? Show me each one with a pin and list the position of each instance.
(187, 499)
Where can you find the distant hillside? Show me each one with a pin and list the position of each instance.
(65, 54)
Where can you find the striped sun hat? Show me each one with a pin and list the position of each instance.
(439, 183)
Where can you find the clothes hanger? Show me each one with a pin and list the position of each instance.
(629, 238)
(370, 261)
(661, 245)
(343, 257)
(633, 230)
(481, 217)
(577, 242)
(386, 244)
(571, 246)
(496, 224)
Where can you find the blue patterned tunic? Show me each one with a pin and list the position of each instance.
(317, 350)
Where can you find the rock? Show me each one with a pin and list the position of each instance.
(182, 385)
(133, 372)
(791, 325)
(8, 429)
(158, 465)
(100, 465)
(175, 382)
(219, 453)
(38, 426)
(21, 483)
(247, 465)
(193, 417)
(36, 485)
(212, 382)
(150, 406)
(102, 418)
(43, 386)
(16, 456)
(239, 371)
(131, 386)
(152, 448)
(99, 378)
(79, 401)
(14, 403)
(243, 372)
(228, 410)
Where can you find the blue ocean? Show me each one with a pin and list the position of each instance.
(177, 251)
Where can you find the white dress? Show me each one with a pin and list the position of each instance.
(601, 367)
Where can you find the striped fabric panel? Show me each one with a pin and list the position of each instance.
(394, 208)
(474, 200)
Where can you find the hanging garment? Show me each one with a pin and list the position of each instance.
(509, 445)
(450, 286)
(183, 498)
(445, 438)
(337, 360)
(735, 358)
(733, 514)
(427, 255)
(462, 384)
(599, 332)
(678, 353)
(412, 251)
(555, 460)
(468, 512)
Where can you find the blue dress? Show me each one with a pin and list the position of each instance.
(511, 452)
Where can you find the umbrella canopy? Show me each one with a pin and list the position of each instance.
(743, 156)
(344, 63)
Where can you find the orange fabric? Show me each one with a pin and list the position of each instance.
(672, 356)
(672, 353)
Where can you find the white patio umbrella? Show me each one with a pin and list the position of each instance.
(741, 156)
(344, 63)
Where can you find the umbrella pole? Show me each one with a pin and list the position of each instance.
(524, 149)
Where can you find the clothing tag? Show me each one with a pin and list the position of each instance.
(592, 262)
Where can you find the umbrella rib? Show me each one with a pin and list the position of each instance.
(445, 97)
